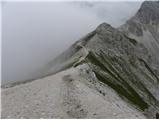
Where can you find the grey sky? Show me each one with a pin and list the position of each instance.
(34, 33)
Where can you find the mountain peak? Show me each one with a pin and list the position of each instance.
(104, 24)
(104, 27)
(148, 12)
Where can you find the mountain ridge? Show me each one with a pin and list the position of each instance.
(117, 59)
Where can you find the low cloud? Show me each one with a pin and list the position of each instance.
(34, 33)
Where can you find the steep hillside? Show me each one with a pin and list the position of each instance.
(119, 61)
(144, 27)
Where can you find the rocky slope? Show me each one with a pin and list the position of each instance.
(64, 95)
(110, 64)
(119, 61)
(144, 27)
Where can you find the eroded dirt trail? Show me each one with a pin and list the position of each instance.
(71, 102)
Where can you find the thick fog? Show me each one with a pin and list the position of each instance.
(34, 33)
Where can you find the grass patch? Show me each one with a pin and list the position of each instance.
(129, 94)
(115, 80)
(149, 69)
(133, 41)
(79, 63)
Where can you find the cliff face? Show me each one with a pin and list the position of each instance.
(144, 27)
(148, 13)
(124, 60)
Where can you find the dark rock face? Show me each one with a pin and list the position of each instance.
(147, 17)
(144, 27)
(148, 13)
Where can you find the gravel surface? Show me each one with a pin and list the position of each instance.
(63, 95)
